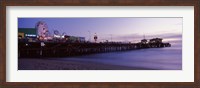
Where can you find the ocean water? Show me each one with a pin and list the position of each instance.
(168, 58)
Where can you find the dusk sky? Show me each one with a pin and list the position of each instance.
(121, 29)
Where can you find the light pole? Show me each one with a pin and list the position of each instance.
(89, 36)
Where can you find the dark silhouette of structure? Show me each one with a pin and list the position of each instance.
(64, 49)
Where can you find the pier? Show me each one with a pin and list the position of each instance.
(39, 42)
(64, 49)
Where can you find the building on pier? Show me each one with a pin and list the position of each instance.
(27, 34)
(144, 41)
(155, 40)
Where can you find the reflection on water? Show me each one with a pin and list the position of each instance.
(169, 58)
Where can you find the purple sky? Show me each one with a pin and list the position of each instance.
(121, 29)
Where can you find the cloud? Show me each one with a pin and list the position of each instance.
(137, 37)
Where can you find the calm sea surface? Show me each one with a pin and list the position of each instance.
(169, 58)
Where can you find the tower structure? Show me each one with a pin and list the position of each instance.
(144, 41)
(95, 37)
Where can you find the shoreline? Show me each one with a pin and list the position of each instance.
(52, 64)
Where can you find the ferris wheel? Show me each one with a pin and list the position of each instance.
(42, 29)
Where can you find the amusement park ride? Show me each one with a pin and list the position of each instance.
(43, 34)
(42, 31)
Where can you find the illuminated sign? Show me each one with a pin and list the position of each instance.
(30, 35)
